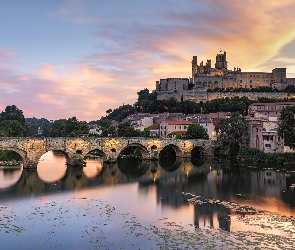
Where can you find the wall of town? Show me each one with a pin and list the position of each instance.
(192, 95)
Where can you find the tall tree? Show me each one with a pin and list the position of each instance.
(125, 129)
(13, 113)
(196, 131)
(287, 126)
(231, 132)
(12, 122)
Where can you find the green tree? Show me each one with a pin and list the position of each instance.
(68, 128)
(104, 125)
(12, 128)
(196, 131)
(13, 123)
(145, 133)
(120, 113)
(287, 126)
(12, 113)
(231, 132)
(125, 129)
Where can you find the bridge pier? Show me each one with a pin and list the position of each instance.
(29, 163)
(74, 159)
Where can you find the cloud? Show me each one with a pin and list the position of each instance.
(73, 12)
(136, 43)
(8, 56)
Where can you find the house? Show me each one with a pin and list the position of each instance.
(170, 128)
(154, 130)
(263, 134)
(270, 109)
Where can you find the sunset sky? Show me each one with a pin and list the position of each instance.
(65, 58)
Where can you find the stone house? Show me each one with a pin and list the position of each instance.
(270, 109)
(170, 128)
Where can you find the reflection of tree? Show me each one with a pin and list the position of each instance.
(289, 195)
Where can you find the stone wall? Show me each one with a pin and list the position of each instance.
(192, 95)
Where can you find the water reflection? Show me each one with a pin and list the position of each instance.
(52, 166)
(9, 175)
(263, 189)
(93, 166)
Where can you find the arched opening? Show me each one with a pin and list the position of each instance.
(52, 166)
(168, 157)
(94, 163)
(11, 168)
(154, 147)
(134, 151)
(113, 150)
(79, 152)
(170, 151)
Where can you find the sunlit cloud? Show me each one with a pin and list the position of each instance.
(134, 44)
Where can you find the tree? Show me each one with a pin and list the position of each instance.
(287, 126)
(196, 131)
(13, 113)
(68, 128)
(125, 129)
(231, 132)
(13, 123)
(104, 125)
(12, 128)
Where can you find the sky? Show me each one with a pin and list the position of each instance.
(65, 58)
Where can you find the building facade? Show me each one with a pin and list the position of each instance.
(170, 128)
(269, 109)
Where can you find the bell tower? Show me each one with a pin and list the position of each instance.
(221, 62)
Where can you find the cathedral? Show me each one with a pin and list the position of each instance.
(205, 77)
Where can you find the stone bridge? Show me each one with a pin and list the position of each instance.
(75, 149)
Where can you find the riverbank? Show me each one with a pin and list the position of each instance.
(11, 163)
(261, 159)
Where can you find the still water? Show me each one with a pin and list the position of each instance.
(145, 205)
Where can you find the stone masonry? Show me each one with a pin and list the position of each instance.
(75, 149)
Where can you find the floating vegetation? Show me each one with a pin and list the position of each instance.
(94, 224)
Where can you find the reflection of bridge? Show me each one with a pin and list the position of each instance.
(75, 149)
(146, 173)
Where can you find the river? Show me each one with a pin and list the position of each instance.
(145, 205)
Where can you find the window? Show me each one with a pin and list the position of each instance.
(179, 127)
(250, 81)
(267, 145)
(184, 127)
(241, 81)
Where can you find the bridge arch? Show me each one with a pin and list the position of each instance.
(97, 151)
(21, 152)
(143, 150)
(177, 150)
